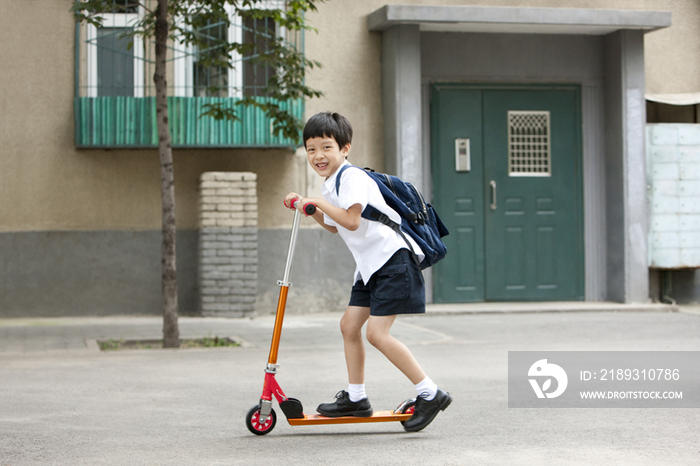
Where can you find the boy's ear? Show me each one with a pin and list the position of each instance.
(345, 150)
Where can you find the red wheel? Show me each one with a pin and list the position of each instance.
(252, 421)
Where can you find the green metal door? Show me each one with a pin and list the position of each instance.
(506, 181)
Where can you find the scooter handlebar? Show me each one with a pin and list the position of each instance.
(309, 208)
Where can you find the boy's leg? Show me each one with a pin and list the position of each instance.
(394, 350)
(351, 328)
(426, 407)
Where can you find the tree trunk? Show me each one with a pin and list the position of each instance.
(171, 332)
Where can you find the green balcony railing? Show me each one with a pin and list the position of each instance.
(130, 122)
(115, 97)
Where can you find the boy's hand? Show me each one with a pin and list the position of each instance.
(295, 202)
(303, 204)
(289, 200)
(320, 204)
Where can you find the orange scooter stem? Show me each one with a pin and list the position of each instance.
(279, 319)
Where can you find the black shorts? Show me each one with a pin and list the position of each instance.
(396, 288)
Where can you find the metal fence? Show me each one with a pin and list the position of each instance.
(115, 94)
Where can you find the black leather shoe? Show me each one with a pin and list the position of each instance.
(425, 411)
(344, 407)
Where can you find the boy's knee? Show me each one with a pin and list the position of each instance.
(374, 337)
(348, 328)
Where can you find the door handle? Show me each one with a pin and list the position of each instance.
(493, 195)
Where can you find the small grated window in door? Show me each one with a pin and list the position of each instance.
(529, 143)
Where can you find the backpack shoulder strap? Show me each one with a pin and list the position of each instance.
(372, 213)
(337, 178)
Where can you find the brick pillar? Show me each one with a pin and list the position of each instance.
(228, 243)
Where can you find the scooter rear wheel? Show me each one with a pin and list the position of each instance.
(407, 407)
(252, 421)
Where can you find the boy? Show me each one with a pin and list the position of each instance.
(387, 280)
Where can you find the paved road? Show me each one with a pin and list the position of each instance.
(63, 402)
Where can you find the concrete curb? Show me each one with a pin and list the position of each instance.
(534, 307)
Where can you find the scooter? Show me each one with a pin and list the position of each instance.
(261, 418)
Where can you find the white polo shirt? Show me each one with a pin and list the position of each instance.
(373, 243)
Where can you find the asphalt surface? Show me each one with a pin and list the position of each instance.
(65, 402)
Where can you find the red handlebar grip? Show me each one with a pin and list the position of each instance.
(309, 208)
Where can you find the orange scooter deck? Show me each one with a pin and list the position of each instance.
(379, 416)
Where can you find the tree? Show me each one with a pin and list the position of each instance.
(168, 21)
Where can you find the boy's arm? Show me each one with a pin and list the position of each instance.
(349, 219)
(318, 216)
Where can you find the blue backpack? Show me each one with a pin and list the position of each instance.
(418, 218)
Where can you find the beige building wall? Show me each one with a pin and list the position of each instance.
(351, 58)
(673, 55)
(48, 184)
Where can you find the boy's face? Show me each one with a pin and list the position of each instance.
(325, 156)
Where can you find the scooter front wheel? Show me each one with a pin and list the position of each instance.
(252, 421)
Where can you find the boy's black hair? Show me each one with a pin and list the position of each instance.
(329, 125)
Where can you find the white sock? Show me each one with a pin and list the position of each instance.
(427, 386)
(356, 391)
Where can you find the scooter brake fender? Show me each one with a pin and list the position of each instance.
(265, 409)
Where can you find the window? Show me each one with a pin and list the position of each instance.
(124, 6)
(529, 142)
(256, 75)
(210, 80)
(195, 78)
(114, 62)
(115, 96)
